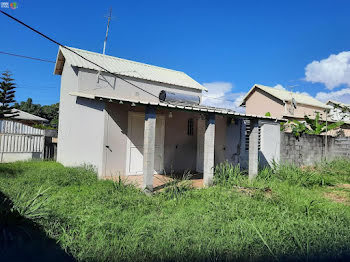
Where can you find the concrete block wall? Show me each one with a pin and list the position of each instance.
(339, 147)
(307, 150)
(310, 149)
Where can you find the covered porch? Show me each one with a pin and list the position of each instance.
(167, 139)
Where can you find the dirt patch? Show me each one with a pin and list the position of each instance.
(346, 186)
(336, 197)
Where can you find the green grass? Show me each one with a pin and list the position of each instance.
(282, 215)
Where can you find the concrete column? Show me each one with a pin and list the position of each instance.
(209, 142)
(253, 148)
(148, 148)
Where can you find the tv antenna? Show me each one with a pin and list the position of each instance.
(109, 20)
(293, 101)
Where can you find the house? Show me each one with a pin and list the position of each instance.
(339, 111)
(281, 103)
(27, 118)
(126, 118)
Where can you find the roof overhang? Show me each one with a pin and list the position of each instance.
(193, 108)
(59, 63)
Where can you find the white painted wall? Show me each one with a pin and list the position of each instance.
(81, 125)
(270, 143)
(109, 85)
(6, 157)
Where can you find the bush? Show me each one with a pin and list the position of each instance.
(227, 174)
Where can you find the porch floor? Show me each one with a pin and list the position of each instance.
(159, 181)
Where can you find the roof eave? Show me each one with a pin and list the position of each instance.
(60, 59)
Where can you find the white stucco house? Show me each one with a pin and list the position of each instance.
(115, 120)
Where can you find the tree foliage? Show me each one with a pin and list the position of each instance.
(312, 126)
(49, 112)
(7, 95)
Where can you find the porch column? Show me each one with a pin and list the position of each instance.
(148, 148)
(253, 148)
(209, 139)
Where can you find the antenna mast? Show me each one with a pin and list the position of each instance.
(109, 19)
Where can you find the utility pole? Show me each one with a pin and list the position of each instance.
(109, 19)
(326, 138)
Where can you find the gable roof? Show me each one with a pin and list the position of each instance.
(27, 116)
(124, 67)
(337, 103)
(285, 95)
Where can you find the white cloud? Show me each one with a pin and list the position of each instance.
(332, 71)
(342, 95)
(279, 87)
(220, 94)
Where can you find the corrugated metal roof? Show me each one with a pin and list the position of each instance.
(189, 107)
(124, 67)
(26, 116)
(285, 95)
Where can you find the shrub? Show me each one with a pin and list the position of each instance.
(227, 173)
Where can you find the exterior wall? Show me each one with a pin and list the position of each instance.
(233, 144)
(310, 149)
(109, 85)
(260, 102)
(180, 149)
(116, 130)
(270, 142)
(227, 140)
(303, 110)
(15, 156)
(220, 139)
(81, 125)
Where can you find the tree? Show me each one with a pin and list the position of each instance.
(49, 112)
(7, 95)
(316, 127)
(312, 126)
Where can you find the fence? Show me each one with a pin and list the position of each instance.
(310, 149)
(20, 142)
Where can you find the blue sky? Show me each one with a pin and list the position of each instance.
(226, 45)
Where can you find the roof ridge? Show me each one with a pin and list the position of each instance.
(287, 91)
(127, 60)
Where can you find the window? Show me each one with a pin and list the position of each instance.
(247, 132)
(190, 127)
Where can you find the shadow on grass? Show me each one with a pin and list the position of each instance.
(22, 240)
(10, 172)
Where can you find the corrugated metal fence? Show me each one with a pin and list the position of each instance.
(19, 138)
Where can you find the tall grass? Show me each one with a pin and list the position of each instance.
(282, 215)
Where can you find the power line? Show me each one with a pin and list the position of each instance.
(27, 57)
(74, 52)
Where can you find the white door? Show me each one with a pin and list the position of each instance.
(136, 123)
(200, 145)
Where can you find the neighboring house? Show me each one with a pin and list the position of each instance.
(27, 118)
(339, 111)
(122, 125)
(281, 103)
